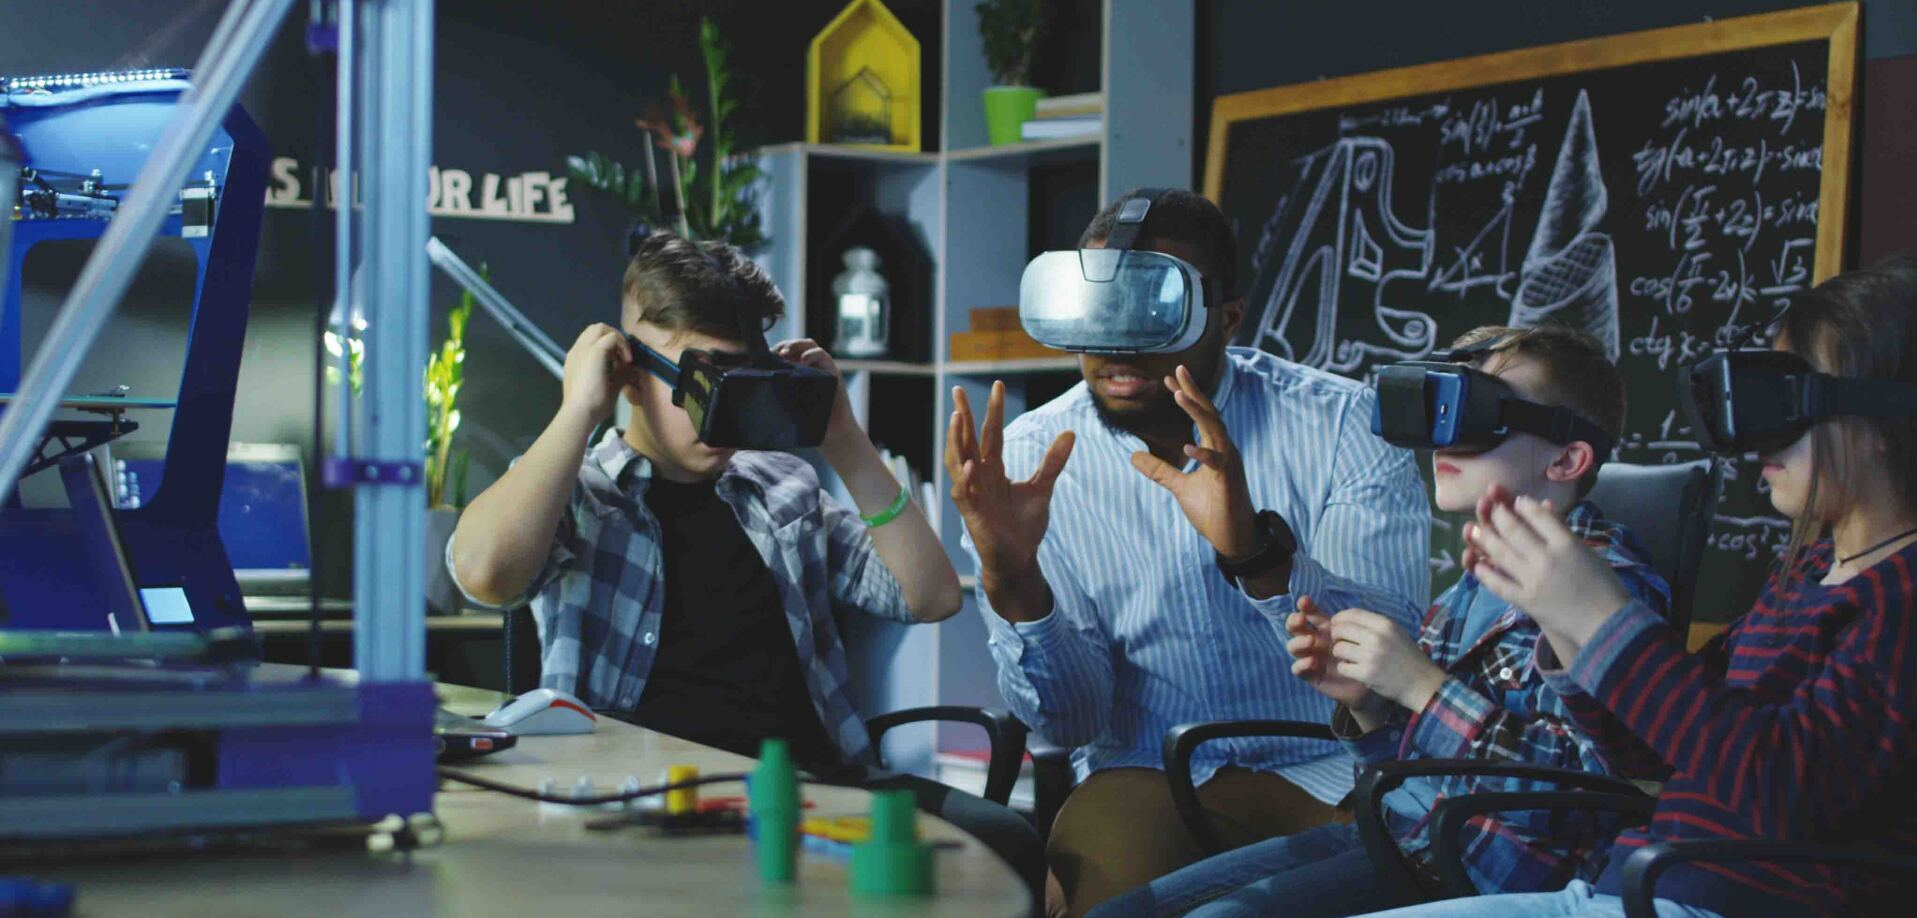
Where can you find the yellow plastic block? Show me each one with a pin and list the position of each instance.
(683, 802)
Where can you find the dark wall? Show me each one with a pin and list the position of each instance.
(518, 87)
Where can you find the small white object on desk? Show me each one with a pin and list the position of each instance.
(544, 712)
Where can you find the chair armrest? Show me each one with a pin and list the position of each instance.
(1368, 809)
(1052, 781)
(1449, 817)
(1644, 866)
(1006, 734)
(1183, 740)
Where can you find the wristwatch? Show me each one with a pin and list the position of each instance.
(1277, 545)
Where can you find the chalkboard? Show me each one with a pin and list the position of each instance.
(1663, 190)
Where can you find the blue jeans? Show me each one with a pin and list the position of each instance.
(1578, 900)
(1317, 873)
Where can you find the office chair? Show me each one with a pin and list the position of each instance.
(1643, 498)
(1004, 732)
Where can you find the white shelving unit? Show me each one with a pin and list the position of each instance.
(970, 203)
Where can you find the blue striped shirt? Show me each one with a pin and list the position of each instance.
(1146, 633)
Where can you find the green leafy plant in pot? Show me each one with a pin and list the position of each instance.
(445, 465)
(704, 194)
(1010, 30)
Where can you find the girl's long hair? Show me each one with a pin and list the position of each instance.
(1860, 324)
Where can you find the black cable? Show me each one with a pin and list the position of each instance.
(600, 800)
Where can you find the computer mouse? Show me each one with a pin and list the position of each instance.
(543, 712)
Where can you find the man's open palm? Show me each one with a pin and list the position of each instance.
(1214, 495)
(1007, 519)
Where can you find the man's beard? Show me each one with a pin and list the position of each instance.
(1159, 419)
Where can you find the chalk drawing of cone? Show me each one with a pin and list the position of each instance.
(1570, 272)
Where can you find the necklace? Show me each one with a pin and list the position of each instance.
(1876, 546)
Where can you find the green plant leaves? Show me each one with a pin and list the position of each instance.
(1009, 29)
(445, 377)
(719, 191)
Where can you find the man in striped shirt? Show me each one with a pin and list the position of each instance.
(1109, 615)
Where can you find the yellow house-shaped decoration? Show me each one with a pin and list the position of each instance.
(862, 81)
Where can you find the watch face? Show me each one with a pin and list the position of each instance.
(1280, 532)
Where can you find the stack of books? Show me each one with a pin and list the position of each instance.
(1065, 117)
(996, 335)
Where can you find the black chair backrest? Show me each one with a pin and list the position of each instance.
(1670, 508)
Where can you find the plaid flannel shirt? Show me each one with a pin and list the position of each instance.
(1495, 705)
(599, 597)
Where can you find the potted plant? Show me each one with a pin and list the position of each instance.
(445, 466)
(1009, 30)
(706, 197)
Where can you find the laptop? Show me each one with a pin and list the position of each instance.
(262, 516)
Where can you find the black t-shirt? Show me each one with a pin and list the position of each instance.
(726, 673)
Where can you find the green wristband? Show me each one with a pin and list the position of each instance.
(890, 513)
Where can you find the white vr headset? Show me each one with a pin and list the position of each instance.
(1114, 300)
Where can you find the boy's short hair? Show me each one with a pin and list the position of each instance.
(1577, 374)
(1178, 215)
(685, 286)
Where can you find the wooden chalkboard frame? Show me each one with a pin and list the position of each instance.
(1836, 23)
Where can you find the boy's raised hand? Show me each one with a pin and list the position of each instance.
(1523, 552)
(809, 353)
(598, 367)
(1310, 647)
(1374, 651)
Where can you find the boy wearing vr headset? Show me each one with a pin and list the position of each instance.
(1797, 724)
(693, 585)
(1467, 688)
(1139, 587)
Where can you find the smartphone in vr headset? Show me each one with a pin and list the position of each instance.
(746, 401)
(1444, 403)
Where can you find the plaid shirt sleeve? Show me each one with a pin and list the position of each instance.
(1533, 724)
(1380, 745)
(558, 555)
(859, 580)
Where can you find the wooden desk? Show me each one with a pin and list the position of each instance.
(505, 856)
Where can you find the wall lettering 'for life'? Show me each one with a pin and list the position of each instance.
(528, 197)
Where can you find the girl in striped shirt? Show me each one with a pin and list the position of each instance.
(1799, 722)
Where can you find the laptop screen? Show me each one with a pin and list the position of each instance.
(99, 533)
(262, 516)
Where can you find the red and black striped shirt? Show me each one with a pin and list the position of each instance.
(1796, 723)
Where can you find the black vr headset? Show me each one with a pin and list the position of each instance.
(1444, 403)
(1758, 401)
(754, 400)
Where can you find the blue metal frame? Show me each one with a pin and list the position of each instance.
(173, 539)
(360, 749)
